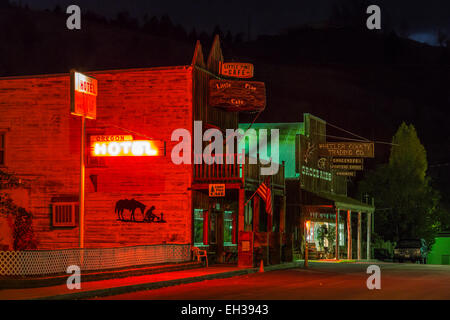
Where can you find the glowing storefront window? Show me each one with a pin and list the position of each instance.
(198, 227)
(228, 227)
(341, 234)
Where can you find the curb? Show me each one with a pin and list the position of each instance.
(162, 284)
(93, 276)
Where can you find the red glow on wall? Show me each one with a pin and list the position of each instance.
(126, 148)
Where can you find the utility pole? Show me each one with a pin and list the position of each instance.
(82, 179)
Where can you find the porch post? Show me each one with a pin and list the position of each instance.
(337, 234)
(369, 229)
(349, 234)
(359, 235)
(241, 212)
(255, 214)
(283, 214)
(269, 221)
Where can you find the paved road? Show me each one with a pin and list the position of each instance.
(320, 281)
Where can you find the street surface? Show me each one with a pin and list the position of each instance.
(319, 281)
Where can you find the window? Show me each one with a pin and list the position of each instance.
(2, 148)
(91, 161)
(212, 228)
(65, 211)
(227, 227)
(198, 227)
(341, 234)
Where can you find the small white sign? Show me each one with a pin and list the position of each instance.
(217, 190)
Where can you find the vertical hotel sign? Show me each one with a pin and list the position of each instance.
(83, 95)
(83, 103)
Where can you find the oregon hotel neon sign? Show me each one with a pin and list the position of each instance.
(124, 146)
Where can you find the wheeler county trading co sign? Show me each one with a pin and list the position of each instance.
(234, 95)
(83, 95)
(236, 69)
(347, 149)
(125, 146)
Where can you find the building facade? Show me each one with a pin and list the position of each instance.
(130, 201)
(316, 197)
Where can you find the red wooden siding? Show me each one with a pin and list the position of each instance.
(43, 145)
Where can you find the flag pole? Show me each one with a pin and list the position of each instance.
(257, 191)
(250, 197)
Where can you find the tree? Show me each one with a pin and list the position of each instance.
(193, 36)
(23, 229)
(349, 13)
(217, 31)
(124, 20)
(406, 205)
(441, 38)
(151, 26)
(166, 28)
(229, 37)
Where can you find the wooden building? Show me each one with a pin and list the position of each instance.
(42, 148)
(315, 193)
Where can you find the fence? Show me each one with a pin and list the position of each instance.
(46, 262)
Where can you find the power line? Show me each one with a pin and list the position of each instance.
(353, 134)
(131, 131)
(439, 165)
(357, 140)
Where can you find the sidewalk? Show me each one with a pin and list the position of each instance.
(135, 283)
(60, 279)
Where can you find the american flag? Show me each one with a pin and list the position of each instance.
(266, 194)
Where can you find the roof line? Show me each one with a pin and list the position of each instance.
(53, 75)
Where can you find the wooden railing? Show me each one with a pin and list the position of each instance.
(253, 174)
(235, 172)
(226, 172)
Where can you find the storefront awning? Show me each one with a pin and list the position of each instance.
(343, 202)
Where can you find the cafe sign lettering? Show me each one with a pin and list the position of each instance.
(236, 69)
(347, 149)
(234, 95)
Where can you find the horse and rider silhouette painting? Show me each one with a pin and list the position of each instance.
(131, 205)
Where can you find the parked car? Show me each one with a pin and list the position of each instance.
(411, 249)
(381, 254)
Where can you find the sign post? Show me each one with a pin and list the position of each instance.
(82, 178)
(307, 224)
(83, 103)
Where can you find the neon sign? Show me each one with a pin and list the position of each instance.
(83, 94)
(124, 146)
(316, 173)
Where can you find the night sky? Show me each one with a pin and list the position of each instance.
(421, 18)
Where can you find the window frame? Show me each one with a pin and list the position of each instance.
(91, 161)
(198, 218)
(3, 148)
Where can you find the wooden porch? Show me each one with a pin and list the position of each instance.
(235, 173)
